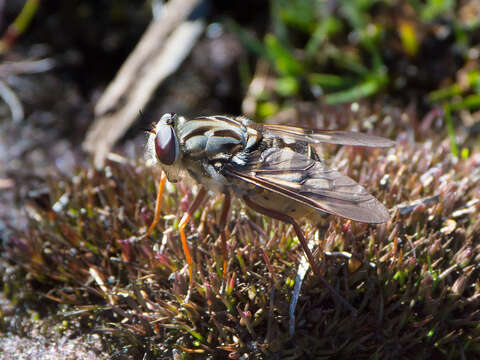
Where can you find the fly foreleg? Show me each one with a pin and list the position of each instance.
(158, 205)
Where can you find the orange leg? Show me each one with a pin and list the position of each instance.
(288, 219)
(223, 227)
(183, 223)
(158, 205)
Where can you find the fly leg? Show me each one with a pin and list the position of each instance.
(158, 205)
(183, 223)
(288, 219)
(223, 227)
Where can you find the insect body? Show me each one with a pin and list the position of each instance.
(275, 169)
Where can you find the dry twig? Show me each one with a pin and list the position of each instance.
(163, 47)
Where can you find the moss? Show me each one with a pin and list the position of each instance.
(413, 280)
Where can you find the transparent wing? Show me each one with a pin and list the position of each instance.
(328, 136)
(312, 183)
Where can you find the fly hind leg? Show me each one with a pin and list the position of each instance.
(288, 219)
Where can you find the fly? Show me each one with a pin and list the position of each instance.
(275, 169)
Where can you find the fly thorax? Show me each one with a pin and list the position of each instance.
(253, 138)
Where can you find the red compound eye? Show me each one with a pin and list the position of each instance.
(166, 145)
